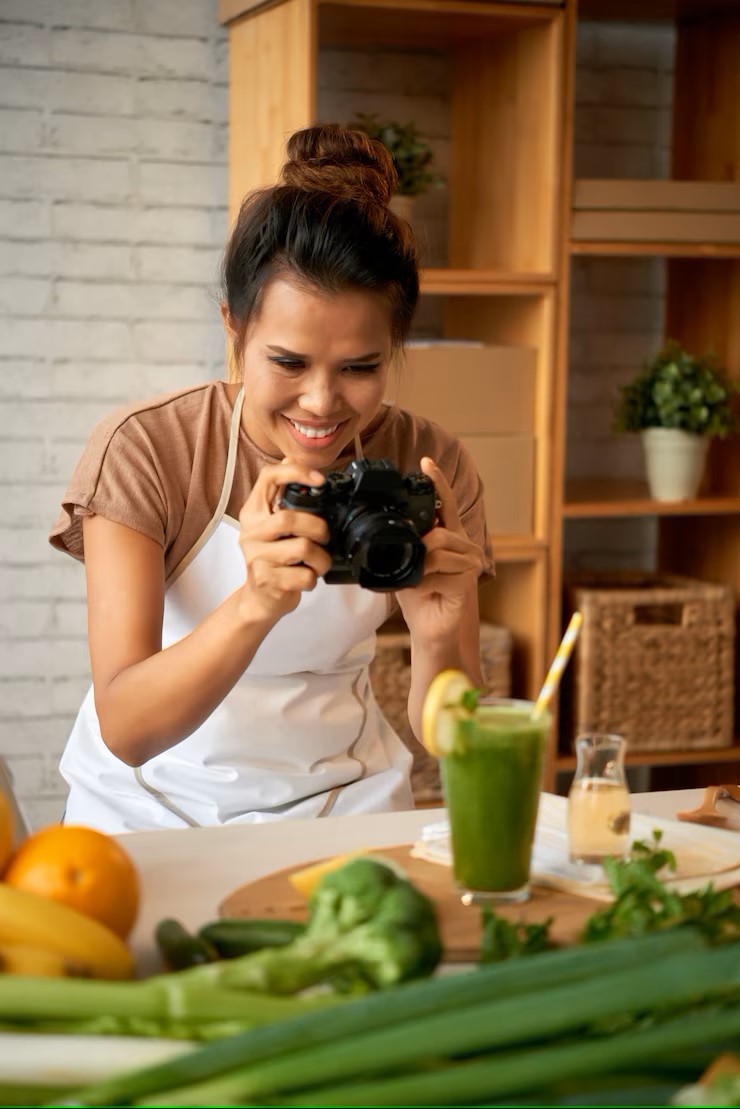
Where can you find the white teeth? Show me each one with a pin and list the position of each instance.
(314, 432)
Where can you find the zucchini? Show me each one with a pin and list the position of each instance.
(234, 937)
(180, 948)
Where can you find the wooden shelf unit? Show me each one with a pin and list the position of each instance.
(693, 757)
(590, 499)
(507, 267)
(703, 291)
(628, 249)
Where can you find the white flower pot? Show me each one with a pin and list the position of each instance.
(674, 461)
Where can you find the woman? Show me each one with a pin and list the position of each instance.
(230, 681)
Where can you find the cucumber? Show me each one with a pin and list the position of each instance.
(180, 948)
(232, 937)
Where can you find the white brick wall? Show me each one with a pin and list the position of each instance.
(113, 184)
(113, 119)
(622, 129)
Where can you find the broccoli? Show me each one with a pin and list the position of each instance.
(368, 928)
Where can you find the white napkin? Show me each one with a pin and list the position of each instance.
(702, 854)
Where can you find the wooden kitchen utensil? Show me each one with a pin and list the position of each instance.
(706, 812)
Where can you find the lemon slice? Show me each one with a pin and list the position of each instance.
(441, 710)
(307, 878)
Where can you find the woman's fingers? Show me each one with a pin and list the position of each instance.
(269, 484)
(285, 523)
(448, 513)
(295, 551)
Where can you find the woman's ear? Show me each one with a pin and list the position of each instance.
(228, 321)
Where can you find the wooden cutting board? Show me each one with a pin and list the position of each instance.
(460, 925)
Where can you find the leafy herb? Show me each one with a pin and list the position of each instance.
(644, 903)
(470, 698)
(504, 939)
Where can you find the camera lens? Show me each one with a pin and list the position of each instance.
(385, 551)
(383, 560)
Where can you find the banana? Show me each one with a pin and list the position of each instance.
(31, 920)
(19, 958)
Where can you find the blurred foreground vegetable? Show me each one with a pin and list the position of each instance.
(368, 928)
(645, 1004)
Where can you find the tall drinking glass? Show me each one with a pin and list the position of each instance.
(492, 781)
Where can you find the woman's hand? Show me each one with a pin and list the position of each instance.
(281, 547)
(435, 608)
(442, 610)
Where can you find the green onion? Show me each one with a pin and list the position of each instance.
(498, 1075)
(497, 1023)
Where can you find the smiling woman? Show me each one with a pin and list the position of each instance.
(230, 680)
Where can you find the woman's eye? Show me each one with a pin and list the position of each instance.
(288, 363)
(363, 368)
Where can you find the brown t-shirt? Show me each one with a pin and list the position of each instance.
(158, 467)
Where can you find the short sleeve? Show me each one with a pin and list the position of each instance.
(118, 476)
(467, 486)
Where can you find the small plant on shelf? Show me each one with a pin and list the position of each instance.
(412, 155)
(678, 390)
(678, 403)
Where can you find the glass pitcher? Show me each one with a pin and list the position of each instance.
(599, 800)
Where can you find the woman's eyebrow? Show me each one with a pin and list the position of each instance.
(295, 354)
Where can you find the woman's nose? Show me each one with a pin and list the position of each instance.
(319, 396)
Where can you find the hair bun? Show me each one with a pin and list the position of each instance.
(334, 159)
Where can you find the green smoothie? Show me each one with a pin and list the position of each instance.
(492, 785)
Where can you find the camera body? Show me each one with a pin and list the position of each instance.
(376, 518)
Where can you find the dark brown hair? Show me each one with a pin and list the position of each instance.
(327, 223)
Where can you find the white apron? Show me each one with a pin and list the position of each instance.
(299, 735)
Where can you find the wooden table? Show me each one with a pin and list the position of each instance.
(186, 873)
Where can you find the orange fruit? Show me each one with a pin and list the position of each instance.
(6, 831)
(80, 867)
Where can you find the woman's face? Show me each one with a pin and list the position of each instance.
(315, 370)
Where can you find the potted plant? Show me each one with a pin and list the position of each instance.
(678, 403)
(412, 156)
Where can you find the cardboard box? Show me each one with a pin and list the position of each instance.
(486, 390)
(656, 211)
(506, 466)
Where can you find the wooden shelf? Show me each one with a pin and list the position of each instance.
(661, 249)
(440, 282)
(651, 11)
(517, 548)
(413, 24)
(590, 499)
(667, 758)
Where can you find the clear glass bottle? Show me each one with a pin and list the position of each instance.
(599, 802)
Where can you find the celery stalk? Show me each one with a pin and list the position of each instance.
(175, 998)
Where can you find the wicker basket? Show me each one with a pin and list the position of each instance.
(390, 674)
(654, 662)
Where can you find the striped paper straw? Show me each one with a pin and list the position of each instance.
(562, 655)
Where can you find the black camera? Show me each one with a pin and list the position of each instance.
(376, 519)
